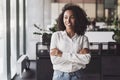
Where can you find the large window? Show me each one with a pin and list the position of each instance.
(3, 74)
(21, 33)
(13, 37)
(17, 32)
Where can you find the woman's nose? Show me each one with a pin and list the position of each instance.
(68, 19)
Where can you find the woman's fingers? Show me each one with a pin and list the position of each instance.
(84, 51)
(55, 52)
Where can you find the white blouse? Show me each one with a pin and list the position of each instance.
(70, 47)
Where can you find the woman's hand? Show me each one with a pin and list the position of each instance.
(84, 51)
(55, 52)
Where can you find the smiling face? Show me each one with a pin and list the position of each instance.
(69, 20)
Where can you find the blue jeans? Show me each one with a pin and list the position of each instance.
(59, 75)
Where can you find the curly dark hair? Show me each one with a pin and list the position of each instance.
(81, 20)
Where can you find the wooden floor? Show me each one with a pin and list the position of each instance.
(105, 68)
(32, 74)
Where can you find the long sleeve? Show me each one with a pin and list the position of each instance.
(77, 58)
(54, 43)
(70, 48)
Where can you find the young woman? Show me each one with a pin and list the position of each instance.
(69, 48)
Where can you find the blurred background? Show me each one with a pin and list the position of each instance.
(23, 23)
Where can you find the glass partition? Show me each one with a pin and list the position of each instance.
(13, 38)
(3, 68)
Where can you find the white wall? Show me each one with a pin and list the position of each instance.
(100, 36)
(37, 12)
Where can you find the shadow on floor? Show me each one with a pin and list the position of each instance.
(30, 74)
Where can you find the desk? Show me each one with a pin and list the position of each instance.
(105, 61)
(44, 65)
(104, 64)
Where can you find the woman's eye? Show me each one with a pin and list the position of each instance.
(72, 17)
(65, 17)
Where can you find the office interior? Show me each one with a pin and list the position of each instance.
(23, 56)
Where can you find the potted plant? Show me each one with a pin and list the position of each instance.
(46, 35)
(116, 35)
